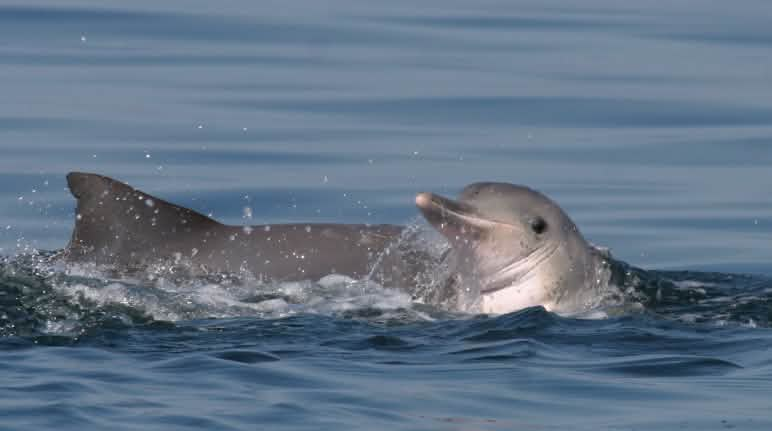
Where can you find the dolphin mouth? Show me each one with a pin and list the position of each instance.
(518, 271)
(451, 217)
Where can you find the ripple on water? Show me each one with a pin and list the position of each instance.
(247, 357)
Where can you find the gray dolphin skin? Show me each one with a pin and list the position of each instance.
(513, 248)
(127, 228)
(510, 247)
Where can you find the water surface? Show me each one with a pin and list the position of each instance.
(651, 124)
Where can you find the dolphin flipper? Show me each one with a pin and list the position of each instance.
(117, 224)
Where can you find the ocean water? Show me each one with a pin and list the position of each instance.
(650, 123)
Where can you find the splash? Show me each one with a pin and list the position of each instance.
(40, 295)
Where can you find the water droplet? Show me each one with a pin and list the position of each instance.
(149, 202)
(308, 229)
(267, 228)
(83, 38)
(248, 230)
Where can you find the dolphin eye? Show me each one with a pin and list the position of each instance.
(539, 225)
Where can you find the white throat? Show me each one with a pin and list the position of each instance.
(527, 292)
(521, 284)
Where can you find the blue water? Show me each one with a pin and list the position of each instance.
(651, 124)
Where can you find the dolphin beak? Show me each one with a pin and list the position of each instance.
(456, 220)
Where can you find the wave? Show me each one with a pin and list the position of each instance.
(41, 297)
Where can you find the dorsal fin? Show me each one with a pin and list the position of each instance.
(118, 224)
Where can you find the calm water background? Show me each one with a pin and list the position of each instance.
(651, 124)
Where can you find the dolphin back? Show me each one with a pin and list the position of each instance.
(119, 225)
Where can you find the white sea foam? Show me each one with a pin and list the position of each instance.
(693, 284)
(172, 300)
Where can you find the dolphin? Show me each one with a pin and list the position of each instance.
(513, 247)
(125, 228)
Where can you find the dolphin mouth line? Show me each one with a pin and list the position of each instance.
(461, 211)
(518, 270)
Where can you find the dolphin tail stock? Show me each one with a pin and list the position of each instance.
(117, 224)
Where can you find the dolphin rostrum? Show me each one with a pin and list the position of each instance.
(512, 248)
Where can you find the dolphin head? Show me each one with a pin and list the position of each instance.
(516, 246)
